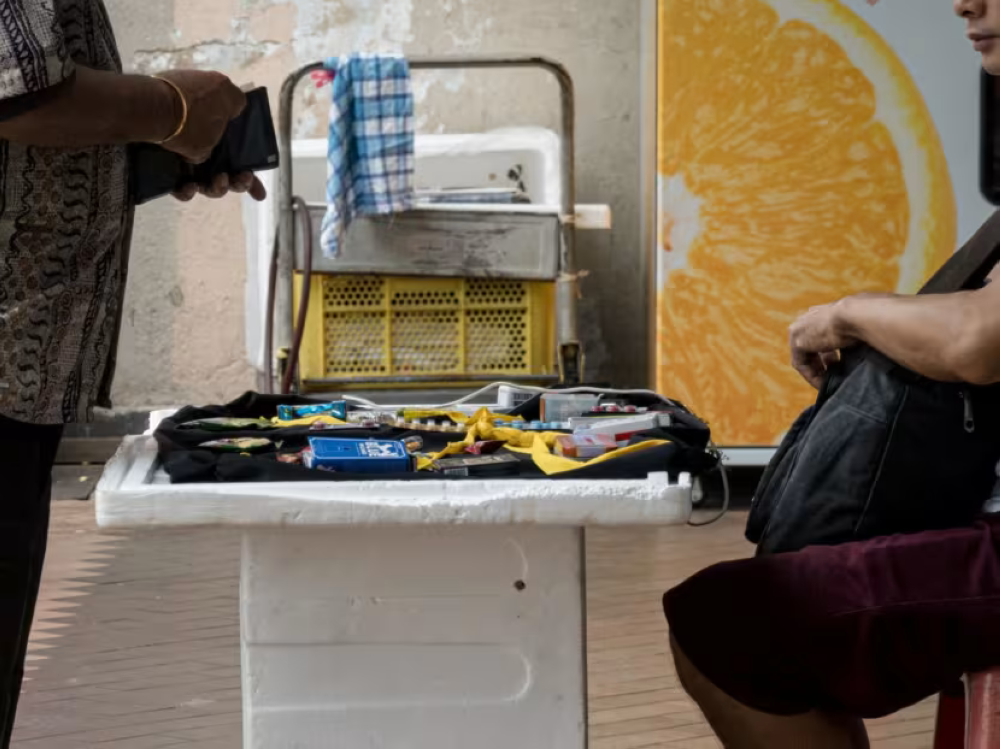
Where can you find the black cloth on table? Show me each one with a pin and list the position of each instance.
(186, 462)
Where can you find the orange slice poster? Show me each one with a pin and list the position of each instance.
(797, 163)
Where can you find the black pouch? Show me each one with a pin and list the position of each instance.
(885, 450)
(249, 145)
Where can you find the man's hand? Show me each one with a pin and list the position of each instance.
(222, 186)
(213, 101)
(815, 340)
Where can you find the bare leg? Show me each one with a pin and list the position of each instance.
(740, 727)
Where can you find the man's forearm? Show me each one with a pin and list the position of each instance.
(98, 108)
(945, 337)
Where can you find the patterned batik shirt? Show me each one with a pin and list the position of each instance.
(65, 224)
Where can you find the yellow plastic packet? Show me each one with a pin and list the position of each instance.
(552, 465)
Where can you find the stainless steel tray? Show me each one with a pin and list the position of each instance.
(480, 243)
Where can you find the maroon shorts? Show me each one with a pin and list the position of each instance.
(864, 629)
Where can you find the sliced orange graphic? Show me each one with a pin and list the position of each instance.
(798, 164)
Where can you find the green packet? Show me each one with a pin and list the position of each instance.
(224, 424)
(238, 444)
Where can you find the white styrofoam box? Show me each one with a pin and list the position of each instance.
(133, 492)
(487, 160)
(157, 417)
(455, 160)
(402, 615)
(413, 638)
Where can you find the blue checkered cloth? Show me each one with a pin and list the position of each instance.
(371, 143)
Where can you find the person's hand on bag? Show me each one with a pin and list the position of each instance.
(815, 340)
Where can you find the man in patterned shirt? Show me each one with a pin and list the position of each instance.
(67, 114)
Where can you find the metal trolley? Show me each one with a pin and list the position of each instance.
(380, 325)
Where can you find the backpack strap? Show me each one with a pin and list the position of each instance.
(969, 267)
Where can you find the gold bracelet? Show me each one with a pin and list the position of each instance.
(184, 110)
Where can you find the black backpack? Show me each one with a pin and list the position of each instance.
(885, 450)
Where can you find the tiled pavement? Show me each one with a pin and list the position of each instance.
(137, 642)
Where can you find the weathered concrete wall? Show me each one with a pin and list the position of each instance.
(184, 330)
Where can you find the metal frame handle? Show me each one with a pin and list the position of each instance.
(570, 352)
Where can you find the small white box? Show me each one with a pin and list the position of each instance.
(621, 429)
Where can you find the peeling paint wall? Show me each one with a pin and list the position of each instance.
(184, 330)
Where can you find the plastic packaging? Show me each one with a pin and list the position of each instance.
(621, 429)
(413, 444)
(337, 409)
(481, 465)
(224, 424)
(585, 445)
(562, 406)
(238, 445)
(485, 448)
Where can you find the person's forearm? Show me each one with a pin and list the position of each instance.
(98, 108)
(938, 336)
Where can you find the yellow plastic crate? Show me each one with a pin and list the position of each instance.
(363, 329)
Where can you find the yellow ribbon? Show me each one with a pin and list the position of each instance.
(536, 444)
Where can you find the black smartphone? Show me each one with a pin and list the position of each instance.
(249, 145)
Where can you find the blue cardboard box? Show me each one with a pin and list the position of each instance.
(359, 455)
